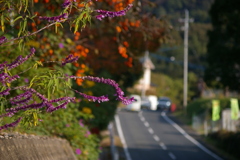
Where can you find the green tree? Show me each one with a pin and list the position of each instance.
(224, 45)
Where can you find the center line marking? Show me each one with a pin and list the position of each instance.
(163, 146)
(142, 119)
(156, 138)
(150, 130)
(146, 124)
(172, 155)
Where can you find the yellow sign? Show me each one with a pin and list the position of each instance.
(234, 109)
(215, 110)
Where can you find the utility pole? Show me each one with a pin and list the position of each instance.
(186, 21)
(144, 85)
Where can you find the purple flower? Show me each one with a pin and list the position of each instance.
(56, 18)
(70, 58)
(104, 14)
(4, 77)
(39, 95)
(67, 125)
(93, 98)
(23, 95)
(19, 60)
(80, 123)
(27, 99)
(2, 40)
(61, 99)
(5, 92)
(66, 3)
(3, 65)
(60, 45)
(31, 106)
(26, 80)
(63, 105)
(6, 126)
(11, 79)
(78, 151)
(87, 133)
(119, 92)
(9, 114)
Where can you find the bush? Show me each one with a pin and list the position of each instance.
(228, 141)
(201, 106)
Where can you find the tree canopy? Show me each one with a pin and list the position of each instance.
(224, 45)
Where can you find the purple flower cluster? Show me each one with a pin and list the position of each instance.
(25, 107)
(24, 102)
(119, 92)
(3, 40)
(78, 151)
(3, 65)
(104, 14)
(5, 92)
(70, 58)
(5, 78)
(54, 19)
(6, 126)
(66, 3)
(67, 100)
(93, 98)
(19, 60)
(80, 122)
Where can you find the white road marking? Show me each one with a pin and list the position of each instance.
(156, 138)
(150, 130)
(120, 133)
(163, 146)
(146, 124)
(199, 145)
(142, 119)
(172, 155)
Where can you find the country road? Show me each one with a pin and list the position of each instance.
(152, 135)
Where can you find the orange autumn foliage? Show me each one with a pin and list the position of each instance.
(129, 62)
(50, 52)
(79, 82)
(80, 51)
(118, 29)
(123, 51)
(126, 44)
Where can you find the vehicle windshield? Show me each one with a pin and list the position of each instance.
(164, 100)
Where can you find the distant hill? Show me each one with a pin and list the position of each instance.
(172, 10)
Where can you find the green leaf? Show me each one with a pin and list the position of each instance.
(26, 5)
(17, 18)
(35, 118)
(2, 22)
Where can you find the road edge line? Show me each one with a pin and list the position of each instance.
(120, 133)
(190, 138)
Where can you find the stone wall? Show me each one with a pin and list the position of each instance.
(15, 146)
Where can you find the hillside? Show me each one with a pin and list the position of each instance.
(168, 60)
(173, 10)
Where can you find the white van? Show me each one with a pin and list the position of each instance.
(153, 102)
(136, 105)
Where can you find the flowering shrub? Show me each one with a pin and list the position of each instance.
(30, 98)
(31, 88)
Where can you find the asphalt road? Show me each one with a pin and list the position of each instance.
(152, 135)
